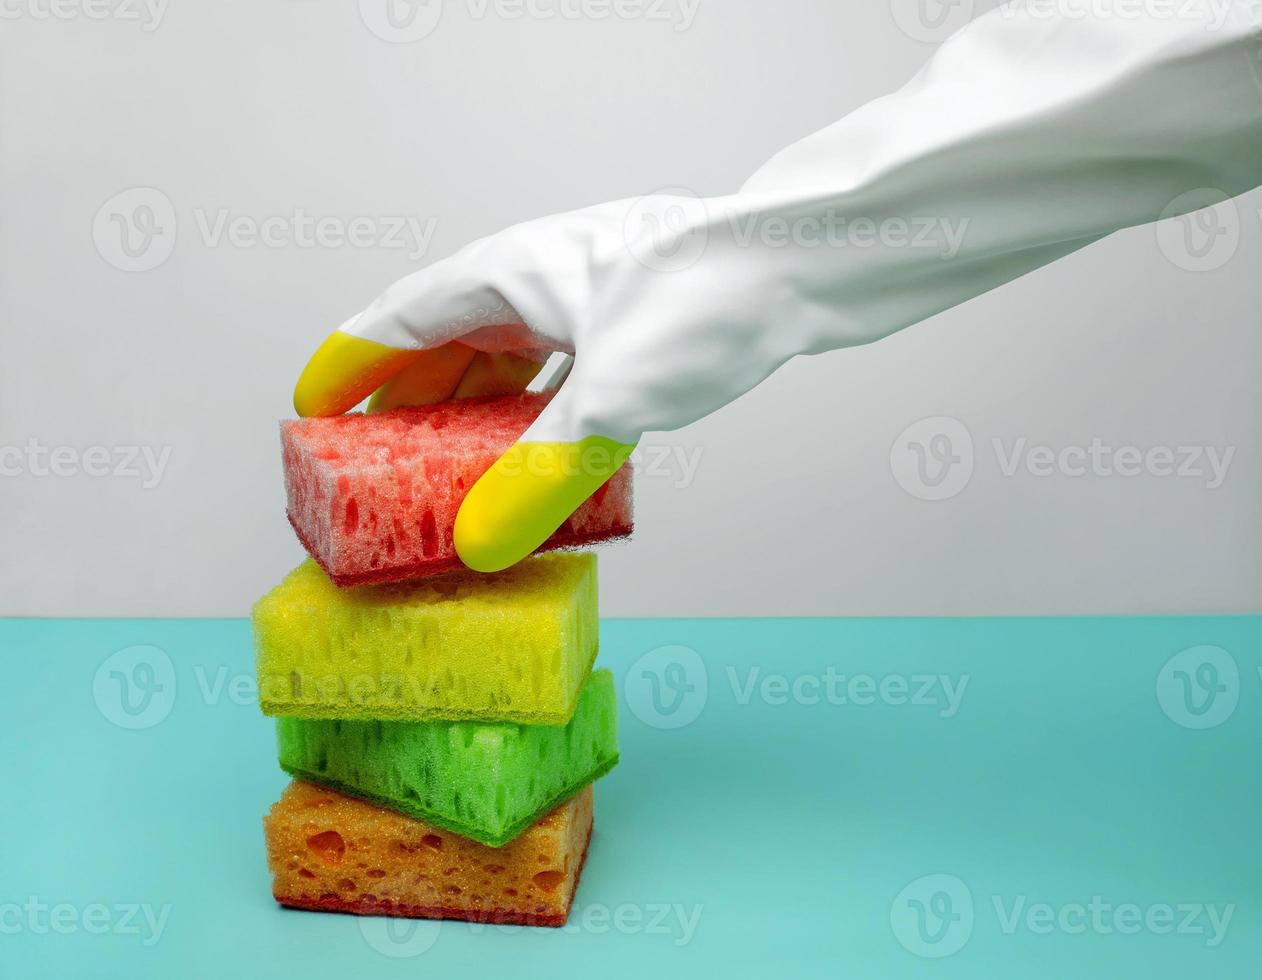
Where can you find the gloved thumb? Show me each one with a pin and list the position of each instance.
(533, 488)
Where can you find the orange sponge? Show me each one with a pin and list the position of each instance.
(333, 853)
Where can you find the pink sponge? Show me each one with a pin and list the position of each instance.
(374, 497)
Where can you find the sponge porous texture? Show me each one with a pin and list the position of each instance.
(333, 853)
(488, 782)
(374, 498)
(510, 646)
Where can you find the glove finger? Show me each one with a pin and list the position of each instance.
(420, 313)
(432, 377)
(507, 373)
(529, 492)
(346, 369)
(456, 370)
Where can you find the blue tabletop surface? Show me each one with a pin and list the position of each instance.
(840, 798)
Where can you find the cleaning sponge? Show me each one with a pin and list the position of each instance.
(484, 781)
(329, 852)
(509, 646)
(374, 498)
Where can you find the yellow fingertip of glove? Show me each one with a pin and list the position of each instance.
(520, 501)
(343, 371)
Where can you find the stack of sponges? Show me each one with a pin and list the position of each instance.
(443, 727)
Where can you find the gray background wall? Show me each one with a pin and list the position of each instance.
(806, 498)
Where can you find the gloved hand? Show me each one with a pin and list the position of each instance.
(1029, 135)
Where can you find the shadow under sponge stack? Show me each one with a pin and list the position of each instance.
(443, 731)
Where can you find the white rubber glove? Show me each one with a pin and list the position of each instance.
(1030, 134)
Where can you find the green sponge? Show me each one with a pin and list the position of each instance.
(486, 781)
(511, 646)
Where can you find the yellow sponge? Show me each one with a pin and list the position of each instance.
(511, 646)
